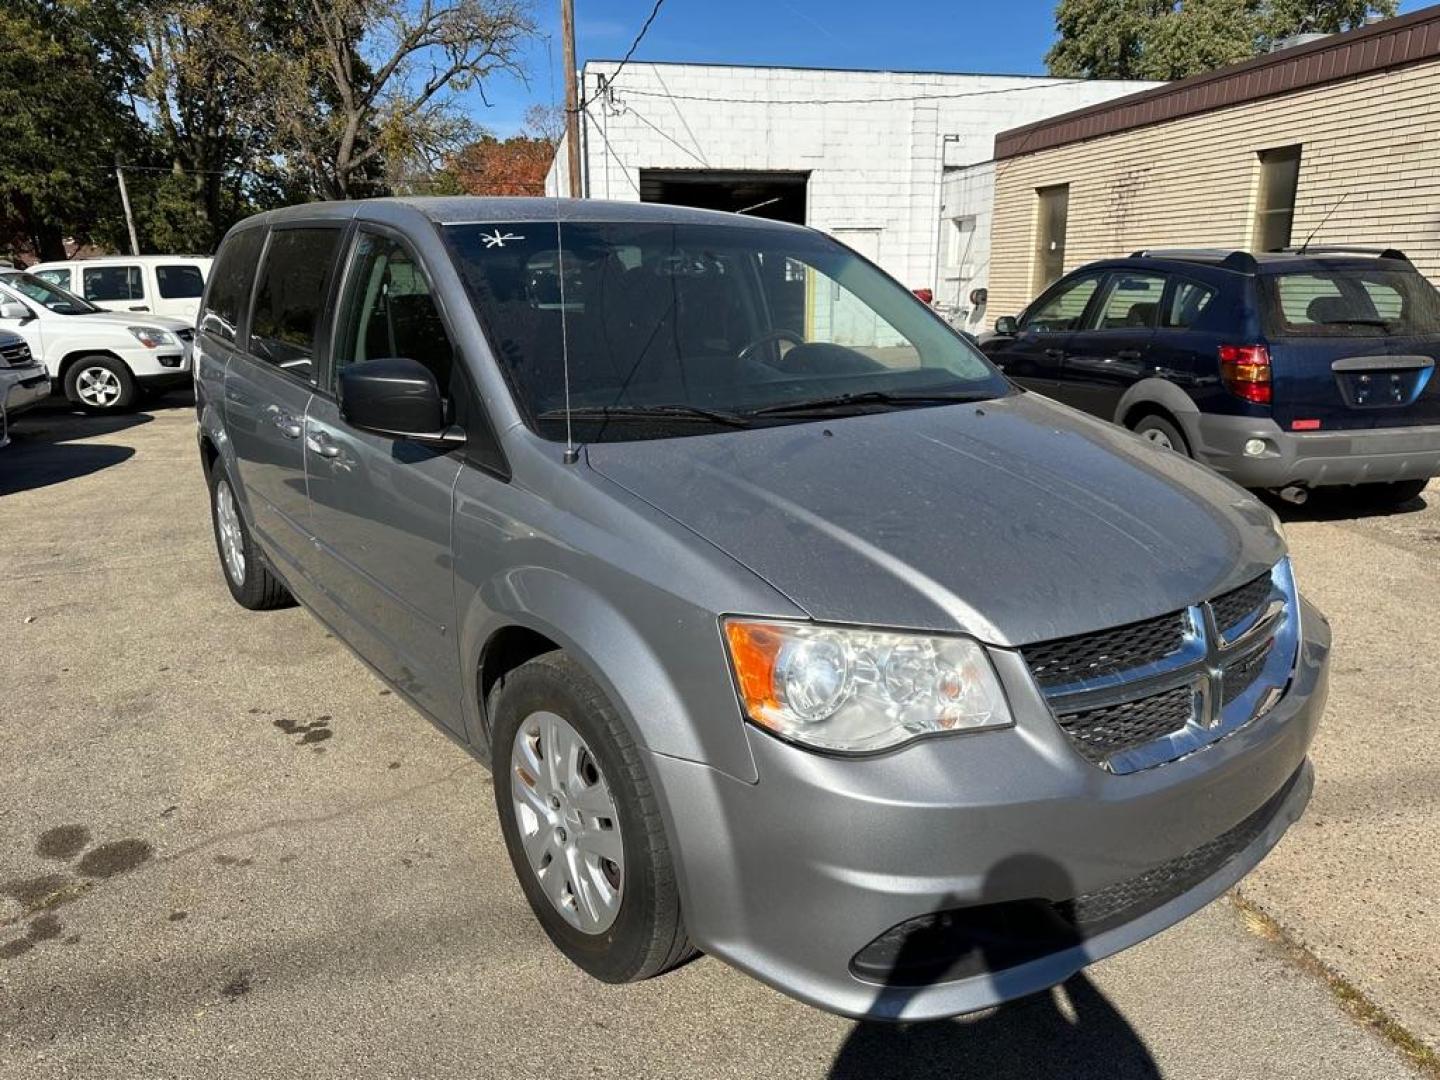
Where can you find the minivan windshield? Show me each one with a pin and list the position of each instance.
(61, 301)
(686, 328)
(1358, 301)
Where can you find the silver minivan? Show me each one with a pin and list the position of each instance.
(792, 631)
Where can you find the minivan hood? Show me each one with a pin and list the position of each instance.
(1016, 520)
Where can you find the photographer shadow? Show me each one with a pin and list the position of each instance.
(1071, 1032)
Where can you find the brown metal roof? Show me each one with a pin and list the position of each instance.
(1388, 44)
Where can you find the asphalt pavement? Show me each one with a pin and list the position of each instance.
(226, 850)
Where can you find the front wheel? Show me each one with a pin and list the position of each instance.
(582, 824)
(100, 384)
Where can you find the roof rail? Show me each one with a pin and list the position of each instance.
(1344, 249)
(1242, 262)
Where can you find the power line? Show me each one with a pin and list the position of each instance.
(610, 84)
(633, 46)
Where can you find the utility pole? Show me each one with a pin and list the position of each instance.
(125, 202)
(572, 96)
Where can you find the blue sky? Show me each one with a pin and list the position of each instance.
(1010, 36)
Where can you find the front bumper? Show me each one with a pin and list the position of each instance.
(793, 876)
(166, 366)
(1315, 459)
(30, 388)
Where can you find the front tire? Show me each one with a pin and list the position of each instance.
(251, 581)
(100, 384)
(582, 824)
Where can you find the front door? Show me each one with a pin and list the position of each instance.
(268, 387)
(381, 506)
(1034, 356)
(1109, 353)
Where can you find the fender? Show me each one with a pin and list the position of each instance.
(702, 723)
(1161, 392)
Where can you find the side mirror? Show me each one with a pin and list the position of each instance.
(396, 396)
(1007, 326)
(14, 309)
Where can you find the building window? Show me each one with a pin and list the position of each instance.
(1050, 235)
(1275, 212)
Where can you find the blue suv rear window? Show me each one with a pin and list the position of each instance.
(1350, 302)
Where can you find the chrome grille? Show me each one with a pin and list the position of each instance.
(16, 354)
(1233, 608)
(1100, 732)
(1086, 656)
(1140, 695)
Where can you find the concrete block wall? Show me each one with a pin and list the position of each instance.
(873, 164)
(1371, 141)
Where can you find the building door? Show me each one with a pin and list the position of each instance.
(1050, 235)
(779, 196)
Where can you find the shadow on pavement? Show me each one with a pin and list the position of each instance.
(45, 447)
(1343, 504)
(1040, 1037)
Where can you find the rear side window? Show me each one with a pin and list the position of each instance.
(230, 281)
(179, 282)
(291, 296)
(109, 284)
(1359, 302)
(55, 277)
(1131, 302)
(1187, 300)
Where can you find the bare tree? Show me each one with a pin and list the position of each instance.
(366, 83)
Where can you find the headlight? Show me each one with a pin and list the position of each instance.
(837, 688)
(151, 337)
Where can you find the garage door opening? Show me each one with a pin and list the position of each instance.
(776, 195)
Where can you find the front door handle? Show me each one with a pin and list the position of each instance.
(320, 443)
(139, 307)
(289, 426)
(1055, 354)
(1129, 354)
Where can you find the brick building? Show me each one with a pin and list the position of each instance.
(1338, 137)
(859, 154)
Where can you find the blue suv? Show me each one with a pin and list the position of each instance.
(1288, 370)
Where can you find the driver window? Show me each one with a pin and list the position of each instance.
(391, 312)
(817, 309)
(1062, 310)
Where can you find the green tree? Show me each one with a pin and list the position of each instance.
(1172, 39)
(365, 89)
(64, 116)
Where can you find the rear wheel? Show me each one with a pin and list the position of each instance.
(1162, 433)
(582, 824)
(252, 583)
(1390, 495)
(100, 384)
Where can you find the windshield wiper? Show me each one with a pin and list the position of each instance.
(1355, 322)
(646, 412)
(870, 397)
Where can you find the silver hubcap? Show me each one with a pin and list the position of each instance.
(1158, 437)
(232, 540)
(567, 822)
(98, 386)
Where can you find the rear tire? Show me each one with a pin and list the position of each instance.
(100, 384)
(1163, 433)
(642, 933)
(251, 581)
(1388, 496)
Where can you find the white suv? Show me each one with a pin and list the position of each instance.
(102, 359)
(157, 284)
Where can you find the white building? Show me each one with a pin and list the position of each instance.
(894, 164)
